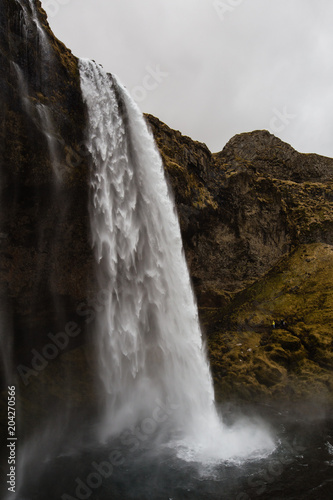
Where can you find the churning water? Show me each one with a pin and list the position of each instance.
(300, 468)
(150, 350)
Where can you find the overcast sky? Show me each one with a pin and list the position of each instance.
(213, 69)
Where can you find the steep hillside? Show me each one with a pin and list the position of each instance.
(274, 341)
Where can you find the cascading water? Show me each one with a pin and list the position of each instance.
(41, 116)
(38, 112)
(43, 41)
(52, 142)
(148, 336)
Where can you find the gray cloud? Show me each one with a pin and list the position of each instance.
(232, 66)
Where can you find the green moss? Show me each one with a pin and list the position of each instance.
(287, 362)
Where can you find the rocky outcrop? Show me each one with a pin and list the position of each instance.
(274, 341)
(260, 200)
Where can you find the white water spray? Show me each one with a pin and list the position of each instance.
(148, 336)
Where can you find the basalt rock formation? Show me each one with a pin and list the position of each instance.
(256, 220)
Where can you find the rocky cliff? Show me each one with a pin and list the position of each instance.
(46, 259)
(250, 204)
(256, 221)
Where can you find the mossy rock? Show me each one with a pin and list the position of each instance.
(267, 373)
(287, 363)
(286, 340)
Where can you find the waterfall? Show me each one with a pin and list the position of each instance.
(39, 113)
(43, 40)
(150, 349)
(47, 126)
(149, 336)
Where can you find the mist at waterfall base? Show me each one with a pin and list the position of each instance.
(142, 468)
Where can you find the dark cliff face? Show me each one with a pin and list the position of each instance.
(244, 213)
(45, 252)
